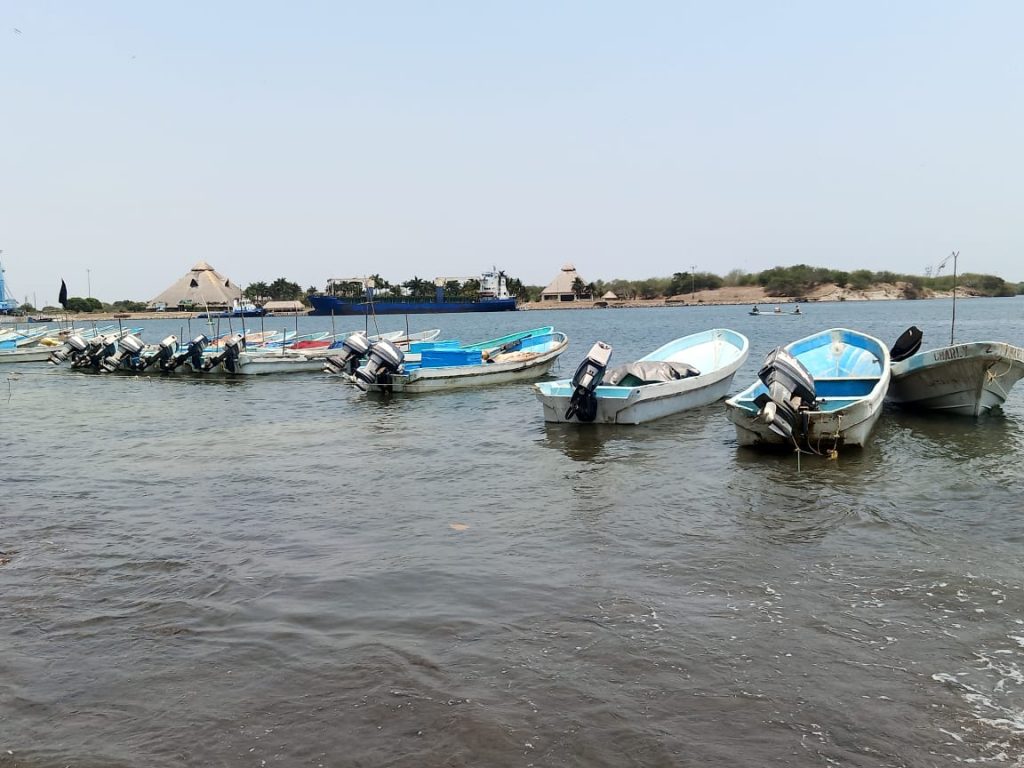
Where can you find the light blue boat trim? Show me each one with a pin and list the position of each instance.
(846, 366)
(564, 388)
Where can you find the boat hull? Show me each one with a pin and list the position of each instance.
(637, 405)
(963, 379)
(850, 426)
(29, 355)
(257, 365)
(331, 305)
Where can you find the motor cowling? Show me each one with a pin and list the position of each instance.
(790, 393)
(588, 376)
(98, 348)
(353, 348)
(383, 360)
(161, 356)
(228, 355)
(193, 354)
(73, 345)
(130, 346)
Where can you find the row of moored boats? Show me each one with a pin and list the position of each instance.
(814, 394)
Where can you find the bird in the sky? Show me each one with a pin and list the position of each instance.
(17, 31)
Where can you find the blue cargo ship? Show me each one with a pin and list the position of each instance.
(493, 297)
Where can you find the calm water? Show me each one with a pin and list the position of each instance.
(286, 572)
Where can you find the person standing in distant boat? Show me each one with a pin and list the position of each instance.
(796, 311)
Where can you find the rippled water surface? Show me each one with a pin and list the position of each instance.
(283, 571)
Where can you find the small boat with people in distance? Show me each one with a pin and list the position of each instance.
(777, 312)
(689, 372)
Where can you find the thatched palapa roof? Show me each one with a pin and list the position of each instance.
(562, 284)
(203, 286)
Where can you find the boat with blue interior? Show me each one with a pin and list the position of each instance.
(816, 394)
(689, 372)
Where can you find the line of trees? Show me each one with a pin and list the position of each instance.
(281, 289)
(801, 279)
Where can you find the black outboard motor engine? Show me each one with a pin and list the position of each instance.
(384, 360)
(228, 355)
(162, 356)
(130, 346)
(583, 403)
(193, 354)
(99, 348)
(790, 393)
(352, 350)
(72, 347)
(907, 344)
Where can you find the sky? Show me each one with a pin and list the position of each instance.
(314, 140)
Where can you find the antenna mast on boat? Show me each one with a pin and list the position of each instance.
(954, 255)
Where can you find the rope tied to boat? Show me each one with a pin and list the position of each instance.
(992, 378)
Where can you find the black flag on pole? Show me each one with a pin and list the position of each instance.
(63, 297)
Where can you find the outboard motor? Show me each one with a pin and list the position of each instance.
(131, 346)
(99, 348)
(193, 354)
(162, 356)
(907, 344)
(72, 347)
(790, 394)
(228, 355)
(384, 360)
(583, 403)
(353, 348)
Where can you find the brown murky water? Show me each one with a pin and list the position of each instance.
(286, 572)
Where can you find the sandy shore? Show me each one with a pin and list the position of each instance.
(751, 295)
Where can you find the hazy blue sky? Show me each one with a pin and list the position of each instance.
(311, 140)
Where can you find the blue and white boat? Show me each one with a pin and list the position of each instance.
(443, 367)
(816, 394)
(690, 372)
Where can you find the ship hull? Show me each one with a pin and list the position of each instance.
(331, 305)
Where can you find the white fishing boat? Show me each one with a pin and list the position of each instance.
(690, 372)
(37, 353)
(964, 379)
(523, 359)
(816, 394)
(263, 361)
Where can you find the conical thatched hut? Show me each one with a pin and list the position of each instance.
(560, 289)
(202, 287)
